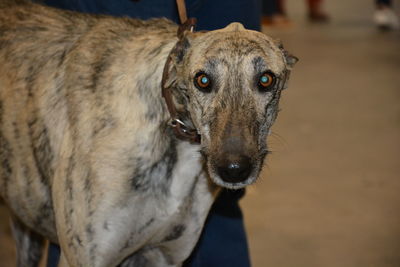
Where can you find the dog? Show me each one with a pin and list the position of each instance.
(116, 134)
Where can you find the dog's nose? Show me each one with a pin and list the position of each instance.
(235, 169)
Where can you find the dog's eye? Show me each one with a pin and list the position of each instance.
(266, 81)
(202, 82)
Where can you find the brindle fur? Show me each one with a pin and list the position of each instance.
(88, 159)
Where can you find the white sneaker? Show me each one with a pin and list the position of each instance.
(386, 18)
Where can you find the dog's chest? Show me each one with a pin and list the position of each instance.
(173, 216)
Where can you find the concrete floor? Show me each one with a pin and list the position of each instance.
(330, 193)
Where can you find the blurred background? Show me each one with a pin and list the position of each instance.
(330, 191)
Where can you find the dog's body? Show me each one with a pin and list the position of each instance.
(88, 159)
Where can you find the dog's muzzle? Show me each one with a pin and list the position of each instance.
(234, 168)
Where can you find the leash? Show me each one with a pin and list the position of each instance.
(182, 10)
(181, 130)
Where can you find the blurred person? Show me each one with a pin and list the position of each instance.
(315, 11)
(223, 241)
(384, 16)
(274, 12)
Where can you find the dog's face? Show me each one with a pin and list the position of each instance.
(229, 82)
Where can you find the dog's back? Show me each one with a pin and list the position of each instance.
(40, 103)
(74, 99)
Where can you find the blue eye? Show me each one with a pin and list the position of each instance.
(266, 81)
(202, 82)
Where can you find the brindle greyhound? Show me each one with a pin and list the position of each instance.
(90, 158)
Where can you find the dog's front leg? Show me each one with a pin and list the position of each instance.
(84, 201)
(74, 194)
(76, 226)
(29, 245)
(63, 261)
(153, 257)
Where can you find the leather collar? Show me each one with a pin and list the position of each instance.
(181, 130)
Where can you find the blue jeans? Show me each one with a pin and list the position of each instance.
(210, 14)
(384, 2)
(223, 241)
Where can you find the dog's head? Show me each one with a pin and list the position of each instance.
(227, 84)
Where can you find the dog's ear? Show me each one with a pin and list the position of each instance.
(290, 61)
(172, 91)
(174, 62)
(180, 49)
(177, 54)
(289, 58)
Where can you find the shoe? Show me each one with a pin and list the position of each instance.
(276, 21)
(386, 19)
(318, 17)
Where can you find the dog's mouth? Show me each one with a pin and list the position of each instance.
(232, 185)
